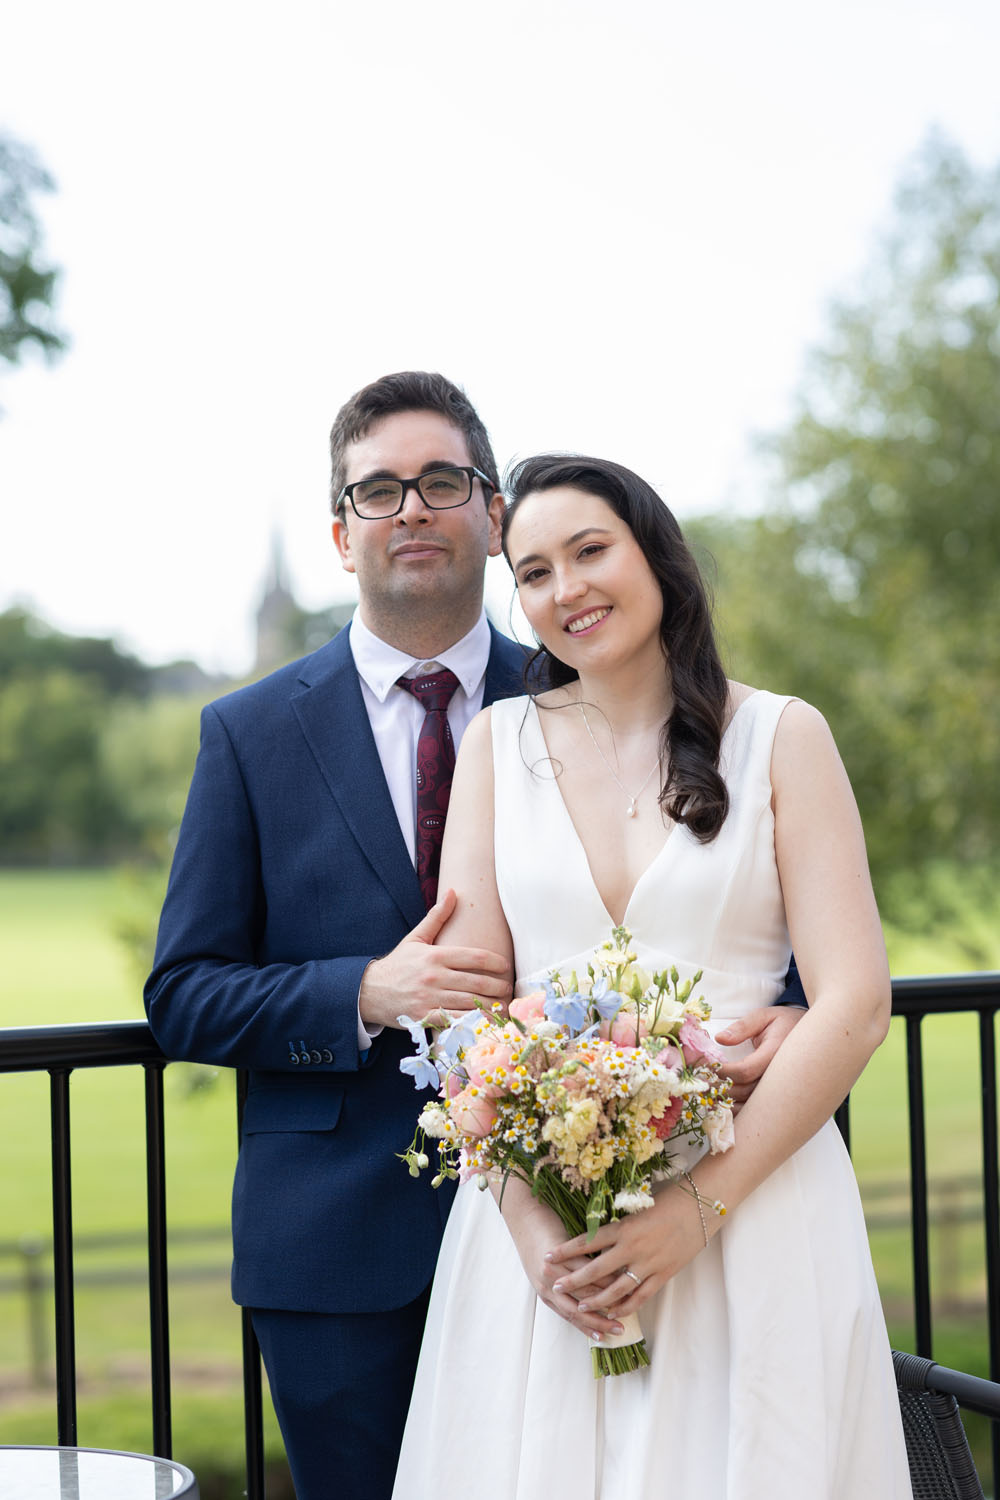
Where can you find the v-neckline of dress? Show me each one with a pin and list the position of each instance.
(673, 833)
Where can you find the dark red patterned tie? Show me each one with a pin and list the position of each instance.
(435, 764)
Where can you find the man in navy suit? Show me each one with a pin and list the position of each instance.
(294, 933)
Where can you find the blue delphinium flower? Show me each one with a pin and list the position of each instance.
(566, 1010)
(606, 1001)
(418, 1034)
(459, 1035)
(423, 1070)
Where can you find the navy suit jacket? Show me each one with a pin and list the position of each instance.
(290, 875)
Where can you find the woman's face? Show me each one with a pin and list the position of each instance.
(583, 582)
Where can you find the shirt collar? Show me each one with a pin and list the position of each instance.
(379, 664)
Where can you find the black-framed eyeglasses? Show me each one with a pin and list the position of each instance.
(439, 489)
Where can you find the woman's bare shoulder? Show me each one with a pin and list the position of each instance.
(739, 692)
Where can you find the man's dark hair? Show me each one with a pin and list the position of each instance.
(694, 794)
(408, 390)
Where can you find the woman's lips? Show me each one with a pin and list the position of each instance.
(581, 624)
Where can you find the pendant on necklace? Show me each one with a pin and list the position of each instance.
(630, 810)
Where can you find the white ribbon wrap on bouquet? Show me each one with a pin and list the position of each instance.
(631, 1333)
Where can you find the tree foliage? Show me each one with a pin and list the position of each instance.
(27, 283)
(91, 768)
(871, 587)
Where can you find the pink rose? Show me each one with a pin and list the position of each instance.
(473, 1112)
(626, 1030)
(528, 1008)
(697, 1043)
(665, 1124)
(487, 1057)
(454, 1083)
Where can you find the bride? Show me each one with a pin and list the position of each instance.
(717, 823)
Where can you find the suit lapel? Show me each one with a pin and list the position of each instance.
(332, 715)
(503, 669)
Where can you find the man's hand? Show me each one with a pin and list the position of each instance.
(422, 980)
(766, 1028)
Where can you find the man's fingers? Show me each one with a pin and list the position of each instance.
(428, 928)
(747, 1069)
(475, 961)
(743, 1030)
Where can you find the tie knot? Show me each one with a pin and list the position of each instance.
(433, 692)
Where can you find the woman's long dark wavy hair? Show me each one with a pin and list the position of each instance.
(694, 793)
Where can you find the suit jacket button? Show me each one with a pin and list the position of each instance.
(304, 1057)
(327, 1055)
(315, 1056)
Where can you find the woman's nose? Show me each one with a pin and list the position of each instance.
(569, 586)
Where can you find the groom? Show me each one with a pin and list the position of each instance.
(300, 921)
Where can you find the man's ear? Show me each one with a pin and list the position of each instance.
(494, 516)
(342, 542)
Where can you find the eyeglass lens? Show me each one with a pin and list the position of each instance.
(440, 489)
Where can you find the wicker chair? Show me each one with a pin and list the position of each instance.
(941, 1466)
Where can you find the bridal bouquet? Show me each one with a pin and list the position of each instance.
(579, 1089)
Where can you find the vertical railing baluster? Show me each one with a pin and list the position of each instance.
(991, 1208)
(253, 1410)
(253, 1400)
(918, 1186)
(156, 1227)
(62, 1257)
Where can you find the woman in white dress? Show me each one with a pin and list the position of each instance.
(718, 824)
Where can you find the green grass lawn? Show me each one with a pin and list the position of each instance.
(60, 961)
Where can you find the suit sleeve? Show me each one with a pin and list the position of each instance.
(209, 997)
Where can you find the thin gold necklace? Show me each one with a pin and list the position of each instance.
(631, 810)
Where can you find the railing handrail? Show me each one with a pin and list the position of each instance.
(93, 1044)
(87, 1044)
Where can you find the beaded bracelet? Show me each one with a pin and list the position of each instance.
(717, 1207)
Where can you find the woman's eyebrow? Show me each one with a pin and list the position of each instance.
(577, 536)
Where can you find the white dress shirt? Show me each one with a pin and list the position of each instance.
(396, 716)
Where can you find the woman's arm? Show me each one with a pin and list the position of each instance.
(468, 864)
(837, 939)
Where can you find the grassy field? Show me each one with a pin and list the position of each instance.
(60, 961)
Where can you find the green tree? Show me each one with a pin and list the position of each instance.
(28, 644)
(27, 283)
(871, 587)
(57, 805)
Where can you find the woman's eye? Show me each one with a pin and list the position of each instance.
(532, 575)
(591, 549)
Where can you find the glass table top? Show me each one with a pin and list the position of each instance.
(90, 1474)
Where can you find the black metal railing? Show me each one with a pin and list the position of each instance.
(914, 999)
(59, 1050)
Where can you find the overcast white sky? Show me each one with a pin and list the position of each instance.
(617, 225)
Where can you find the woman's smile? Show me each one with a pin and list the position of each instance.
(577, 624)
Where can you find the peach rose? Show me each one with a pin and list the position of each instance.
(487, 1057)
(528, 1008)
(473, 1112)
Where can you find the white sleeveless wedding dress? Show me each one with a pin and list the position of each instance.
(770, 1374)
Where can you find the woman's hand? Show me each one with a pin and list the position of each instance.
(653, 1245)
(538, 1233)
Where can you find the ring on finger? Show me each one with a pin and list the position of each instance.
(632, 1275)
